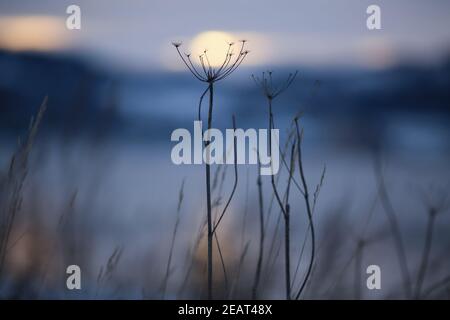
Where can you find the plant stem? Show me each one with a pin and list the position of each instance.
(425, 254)
(284, 208)
(395, 230)
(308, 209)
(172, 243)
(208, 196)
(286, 253)
(287, 226)
(358, 268)
(261, 234)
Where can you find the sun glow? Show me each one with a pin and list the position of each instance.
(40, 33)
(215, 43)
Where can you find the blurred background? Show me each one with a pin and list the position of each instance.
(99, 190)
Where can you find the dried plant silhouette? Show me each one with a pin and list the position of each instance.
(270, 92)
(172, 243)
(309, 207)
(395, 230)
(106, 272)
(434, 207)
(261, 233)
(211, 75)
(11, 196)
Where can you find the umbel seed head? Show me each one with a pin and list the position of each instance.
(209, 74)
(271, 91)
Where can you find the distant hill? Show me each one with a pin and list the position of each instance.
(83, 98)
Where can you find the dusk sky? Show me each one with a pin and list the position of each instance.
(137, 34)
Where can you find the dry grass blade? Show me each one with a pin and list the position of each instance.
(172, 242)
(106, 272)
(395, 230)
(12, 194)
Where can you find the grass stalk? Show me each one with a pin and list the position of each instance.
(18, 171)
(172, 243)
(426, 253)
(395, 230)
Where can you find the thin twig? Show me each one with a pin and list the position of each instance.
(395, 230)
(172, 243)
(261, 232)
(308, 208)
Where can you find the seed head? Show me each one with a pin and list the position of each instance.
(208, 73)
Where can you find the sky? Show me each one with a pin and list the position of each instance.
(138, 34)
